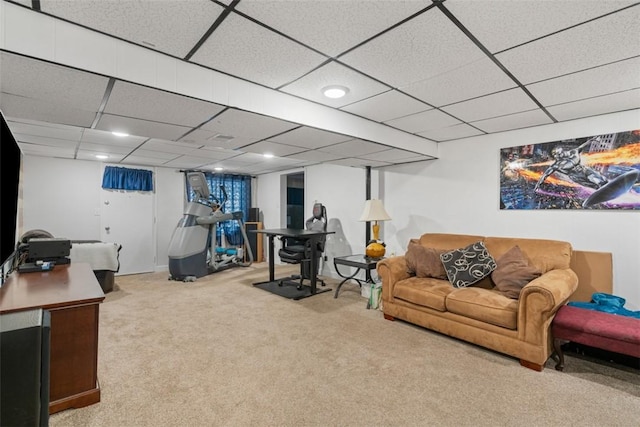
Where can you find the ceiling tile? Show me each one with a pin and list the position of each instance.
(330, 26)
(48, 130)
(186, 162)
(524, 20)
(272, 62)
(44, 110)
(140, 127)
(45, 140)
(307, 137)
(514, 121)
(595, 43)
(310, 86)
(153, 154)
(62, 88)
(144, 161)
(214, 139)
(131, 100)
(251, 126)
(91, 155)
(316, 156)
(360, 163)
(354, 148)
(213, 153)
(142, 22)
(598, 81)
(169, 147)
(498, 104)
(599, 105)
(46, 150)
(104, 148)
(95, 136)
(268, 147)
(394, 155)
(426, 120)
(249, 159)
(451, 132)
(469, 81)
(423, 47)
(386, 106)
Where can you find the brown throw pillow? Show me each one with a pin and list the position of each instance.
(513, 272)
(423, 261)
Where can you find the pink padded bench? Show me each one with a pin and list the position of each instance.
(611, 332)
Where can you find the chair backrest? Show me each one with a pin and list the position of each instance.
(318, 222)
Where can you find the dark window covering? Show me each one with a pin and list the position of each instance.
(238, 189)
(116, 178)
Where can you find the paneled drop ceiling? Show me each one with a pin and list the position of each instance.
(438, 70)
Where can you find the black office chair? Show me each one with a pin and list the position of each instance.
(296, 251)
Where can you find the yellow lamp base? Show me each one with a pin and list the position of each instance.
(375, 250)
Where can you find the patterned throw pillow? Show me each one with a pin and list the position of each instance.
(468, 265)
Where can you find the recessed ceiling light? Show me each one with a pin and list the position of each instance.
(101, 156)
(120, 134)
(218, 169)
(268, 155)
(335, 91)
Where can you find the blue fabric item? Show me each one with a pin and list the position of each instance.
(116, 178)
(606, 303)
(238, 188)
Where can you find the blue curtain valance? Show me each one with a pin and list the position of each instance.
(115, 178)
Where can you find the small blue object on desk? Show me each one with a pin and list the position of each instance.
(31, 267)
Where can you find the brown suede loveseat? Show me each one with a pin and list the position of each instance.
(513, 318)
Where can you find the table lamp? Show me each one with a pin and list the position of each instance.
(374, 211)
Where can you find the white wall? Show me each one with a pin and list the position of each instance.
(459, 193)
(62, 196)
(170, 202)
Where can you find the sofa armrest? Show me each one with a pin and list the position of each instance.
(391, 270)
(539, 301)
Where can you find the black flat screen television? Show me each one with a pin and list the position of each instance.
(10, 160)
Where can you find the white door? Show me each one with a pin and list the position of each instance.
(127, 219)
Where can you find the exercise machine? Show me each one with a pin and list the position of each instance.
(194, 250)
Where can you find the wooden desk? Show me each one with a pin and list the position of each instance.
(72, 295)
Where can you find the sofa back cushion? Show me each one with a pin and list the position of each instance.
(545, 255)
(448, 241)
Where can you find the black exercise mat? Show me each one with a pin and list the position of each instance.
(289, 289)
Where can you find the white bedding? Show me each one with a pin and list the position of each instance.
(100, 256)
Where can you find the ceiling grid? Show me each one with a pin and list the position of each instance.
(440, 70)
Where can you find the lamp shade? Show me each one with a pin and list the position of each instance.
(374, 211)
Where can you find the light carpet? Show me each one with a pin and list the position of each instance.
(219, 352)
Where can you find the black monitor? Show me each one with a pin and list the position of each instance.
(10, 157)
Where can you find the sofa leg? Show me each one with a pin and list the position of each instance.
(531, 365)
(389, 317)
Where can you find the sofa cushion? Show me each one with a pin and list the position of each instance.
(427, 292)
(484, 305)
(546, 255)
(513, 272)
(468, 265)
(423, 261)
